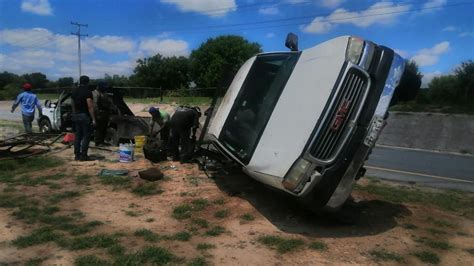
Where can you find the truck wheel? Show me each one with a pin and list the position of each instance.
(45, 126)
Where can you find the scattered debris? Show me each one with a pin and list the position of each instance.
(109, 172)
(151, 174)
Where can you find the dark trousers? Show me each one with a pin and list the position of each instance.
(181, 136)
(83, 130)
(165, 134)
(27, 120)
(101, 127)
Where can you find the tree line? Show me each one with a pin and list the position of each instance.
(212, 64)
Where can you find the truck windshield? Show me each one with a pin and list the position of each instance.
(255, 102)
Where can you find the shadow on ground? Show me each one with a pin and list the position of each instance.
(374, 216)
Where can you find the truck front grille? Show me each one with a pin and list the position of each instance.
(345, 107)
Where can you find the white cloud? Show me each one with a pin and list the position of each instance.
(466, 34)
(270, 10)
(331, 3)
(449, 28)
(213, 8)
(427, 77)
(432, 5)
(402, 53)
(39, 7)
(270, 35)
(111, 44)
(430, 56)
(166, 47)
(26, 37)
(384, 13)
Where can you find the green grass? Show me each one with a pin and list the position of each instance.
(42, 180)
(95, 241)
(34, 262)
(221, 213)
(182, 236)
(148, 235)
(440, 223)
(147, 189)
(215, 231)
(56, 198)
(133, 213)
(90, 260)
(201, 222)
(435, 231)
(83, 179)
(219, 201)
(115, 181)
(282, 245)
(199, 204)
(436, 244)
(470, 251)
(316, 245)
(116, 250)
(33, 164)
(450, 200)
(170, 100)
(205, 246)
(427, 257)
(199, 261)
(193, 180)
(150, 220)
(385, 255)
(247, 217)
(148, 255)
(182, 211)
(38, 236)
(409, 226)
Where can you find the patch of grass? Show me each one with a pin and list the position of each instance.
(150, 220)
(133, 205)
(470, 251)
(90, 260)
(34, 262)
(182, 211)
(409, 226)
(384, 255)
(148, 235)
(10, 189)
(11, 168)
(147, 189)
(201, 222)
(427, 257)
(215, 231)
(132, 213)
(450, 200)
(436, 244)
(205, 246)
(281, 244)
(83, 179)
(78, 214)
(115, 181)
(116, 250)
(54, 186)
(38, 236)
(182, 236)
(85, 228)
(316, 245)
(219, 201)
(247, 217)
(193, 180)
(199, 204)
(435, 231)
(55, 198)
(462, 233)
(221, 213)
(199, 261)
(440, 223)
(95, 241)
(148, 255)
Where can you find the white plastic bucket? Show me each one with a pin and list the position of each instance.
(126, 153)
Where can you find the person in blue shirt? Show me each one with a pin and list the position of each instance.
(28, 101)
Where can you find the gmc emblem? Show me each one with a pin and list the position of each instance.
(340, 115)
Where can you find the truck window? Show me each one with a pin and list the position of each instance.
(255, 102)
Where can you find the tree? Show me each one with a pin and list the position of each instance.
(166, 72)
(465, 80)
(116, 80)
(37, 79)
(410, 83)
(7, 78)
(65, 82)
(218, 58)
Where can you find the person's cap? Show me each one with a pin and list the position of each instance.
(26, 86)
(153, 110)
(83, 80)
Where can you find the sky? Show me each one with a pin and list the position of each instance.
(35, 35)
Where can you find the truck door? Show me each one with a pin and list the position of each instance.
(56, 123)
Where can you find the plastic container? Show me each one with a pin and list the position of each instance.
(126, 153)
(139, 142)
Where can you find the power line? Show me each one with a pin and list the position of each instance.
(79, 35)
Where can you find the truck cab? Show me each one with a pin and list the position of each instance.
(304, 122)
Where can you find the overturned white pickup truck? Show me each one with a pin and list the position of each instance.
(305, 121)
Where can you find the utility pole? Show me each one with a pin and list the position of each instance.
(79, 35)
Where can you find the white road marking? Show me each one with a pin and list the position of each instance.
(419, 174)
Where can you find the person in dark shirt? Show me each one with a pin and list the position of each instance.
(182, 122)
(83, 117)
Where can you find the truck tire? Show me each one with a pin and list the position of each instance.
(45, 125)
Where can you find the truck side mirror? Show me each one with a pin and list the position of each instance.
(292, 41)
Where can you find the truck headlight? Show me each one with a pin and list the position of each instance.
(297, 174)
(355, 46)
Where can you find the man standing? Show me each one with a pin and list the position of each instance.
(83, 117)
(162, 118)
(181, 123)
(103, 108)
(28, 101)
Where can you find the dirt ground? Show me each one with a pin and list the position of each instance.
(243, 211)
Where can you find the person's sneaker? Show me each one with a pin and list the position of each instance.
(77, 158)
(86, 158)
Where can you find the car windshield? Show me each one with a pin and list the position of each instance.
(255, 102)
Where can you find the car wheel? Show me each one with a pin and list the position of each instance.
(45, 126)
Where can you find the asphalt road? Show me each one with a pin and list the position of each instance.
(435, 169)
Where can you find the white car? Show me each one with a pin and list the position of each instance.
(305, 121)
